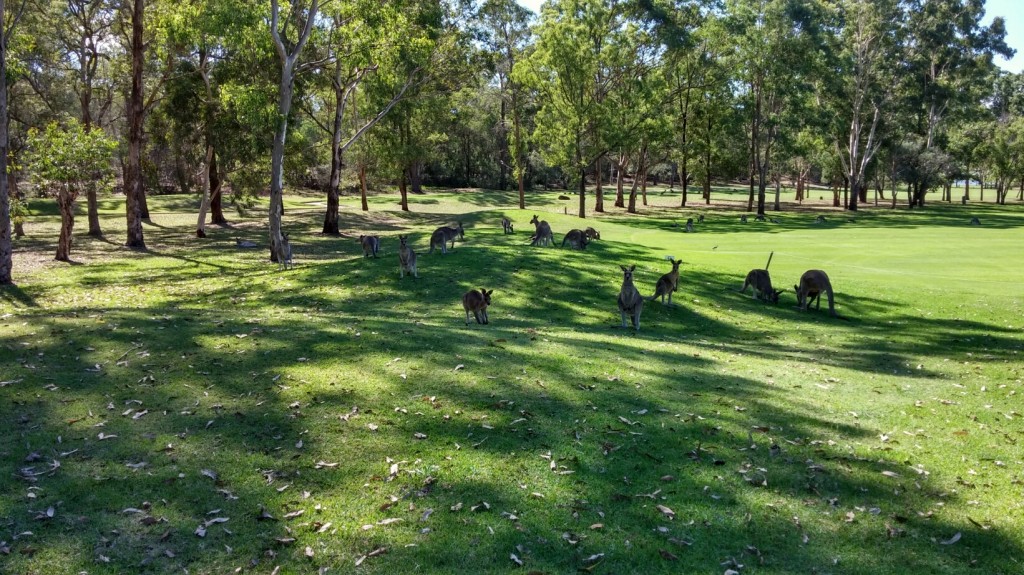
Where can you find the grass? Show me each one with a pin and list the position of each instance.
(147, 394)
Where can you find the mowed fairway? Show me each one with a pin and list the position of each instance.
(196, 409)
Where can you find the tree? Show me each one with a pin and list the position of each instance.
(6, 29)
(773, 56)
(133, 185)
(948, 70)
(64, 161)
(857, 96)
(288, 52)
(506, 25)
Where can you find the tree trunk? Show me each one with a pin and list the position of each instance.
(707, 189)
(204, 205)
(276, 208)
(362, 187)
(404, 192)
(94, 211)
(216, 194)
(334, 183)
(599, 192)
(66, 204)
(583, 192)
(778, 193)
(643, 185)
(967, 184)
(416, 177)
(6, 249)
(750, 198)
(852, 205)
(632, 194)
(620, 168)
(522, 192)
(133, 170)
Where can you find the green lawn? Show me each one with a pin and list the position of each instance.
(334, 416)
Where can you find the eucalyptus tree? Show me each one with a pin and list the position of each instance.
(303, 19)
(7, 27)
(368, 38)
(506, 31)
(949, 67)
(64, 160)
(857, 96)
(585, 51)
(773, 57)
(135, 108)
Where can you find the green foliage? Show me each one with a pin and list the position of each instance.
(66, 157)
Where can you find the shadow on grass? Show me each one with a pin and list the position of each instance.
(257, 378)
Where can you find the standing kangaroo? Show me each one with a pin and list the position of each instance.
(506, 225)
(812, 283)
(630, 301)
(689, 226)
(577, 240)
(445, 234)
(406, 258)
(371, 245)
(477, 302)
(760, 283)
(667, 283)
(283, 251)
(543, 232)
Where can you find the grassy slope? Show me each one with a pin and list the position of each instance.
(570, 431)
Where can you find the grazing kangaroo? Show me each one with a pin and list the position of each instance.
(743, 219)
(592, 234)
(445, 234)
(689, 226)
(406, 258)
(477, 302)
(700, 219)
(543, 232)
(577, 240)
(371, 245)
(506, 225)
(668, 283)
(975, 222)
(759, 218)
(812, 283)
(819, 220)
(760, 283)
(630, 301)
(284, 252)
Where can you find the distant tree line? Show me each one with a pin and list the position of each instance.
(233, 99)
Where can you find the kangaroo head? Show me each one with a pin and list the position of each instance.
(535, 220)
(774, 296)
(487, 295)
(675, 264)
(402, 240)
(462, 233)
(627, 273)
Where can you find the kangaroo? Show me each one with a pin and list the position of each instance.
(819, 220)
(760, 283)
(284, 252)
(577, 240)
(812, 283)
(668, 283)
(759, 218)
(445, 234)
(700, 219)
(975, 222)
(506, 225)
(743, 219)
(406, 258)
(477, 302)
(689, 226)
(543, 232)
(630, 301)
(371, 245)
(592, 234)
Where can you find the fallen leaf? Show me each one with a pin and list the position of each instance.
(668, 512)
(667, 556)
(951, 540)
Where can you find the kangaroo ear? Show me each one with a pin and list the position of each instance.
(488, 293)
(632, 267)
(623, 268)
